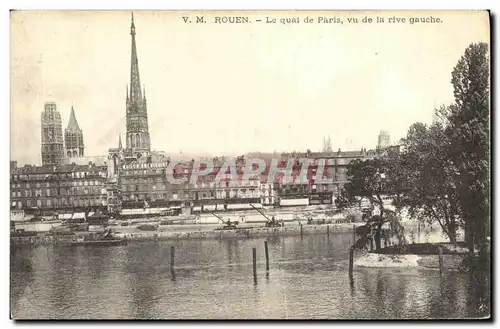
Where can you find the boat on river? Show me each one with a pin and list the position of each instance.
(105, 239)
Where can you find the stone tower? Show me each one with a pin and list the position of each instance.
(52, 136)
(137, 138)
(384, 139)
(73, 137)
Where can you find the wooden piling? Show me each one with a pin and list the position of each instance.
(418, 233)
(172, 257)
(440, 252)
(353, 234)
(301, 230)
(254, 254)
(351, 262)
(267, 256)
(327, 230)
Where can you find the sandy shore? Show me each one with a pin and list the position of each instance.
(374, 260)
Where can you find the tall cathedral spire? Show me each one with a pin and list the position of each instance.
(73, 124)
(135, 81)
(137, 137)
(73, 137)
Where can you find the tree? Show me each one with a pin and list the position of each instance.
(467, 128)
(373, 179)
(430, 195)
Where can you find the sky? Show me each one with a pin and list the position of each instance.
(223, 89)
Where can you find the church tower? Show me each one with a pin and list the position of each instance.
(52, 137)
(137, 138)
(73, 137)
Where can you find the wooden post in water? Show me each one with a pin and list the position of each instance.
(172, 257)
(254, 254)
(300, 229)
(440, 251)
(327, 230)
(267, 257)
(418, 233)
(351, 261)
(353, 234)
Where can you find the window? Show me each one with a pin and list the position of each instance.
(13, 194)
(19, 194)
(48, 192)
(85, 183)
(37, 185)
(38, 203)
(38, 193)
(48, 184)
(28, 202)
(27, 185)
(48, 202)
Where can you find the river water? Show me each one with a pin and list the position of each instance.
(308, 279)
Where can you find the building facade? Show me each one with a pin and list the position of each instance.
(73, 138)
(50, 189)
(52, 136)
(332, 166)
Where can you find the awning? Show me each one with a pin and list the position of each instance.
(78, 215)
(256, 205)
(209, 207)
(239, 206)
(294, 202)
(153, 211)
(139, 211)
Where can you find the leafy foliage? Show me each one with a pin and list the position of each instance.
(442, 173)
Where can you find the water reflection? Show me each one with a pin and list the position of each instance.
(307, 279)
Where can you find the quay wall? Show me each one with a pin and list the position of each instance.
(245, 233)
(255, 232)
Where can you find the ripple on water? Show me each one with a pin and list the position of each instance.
(307, 279)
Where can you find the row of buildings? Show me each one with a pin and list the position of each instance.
(127, 182)
(134, 177)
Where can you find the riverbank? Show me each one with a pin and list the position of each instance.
(241, 233)
(418, 255)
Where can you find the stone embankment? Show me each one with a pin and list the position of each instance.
(241, 233)
(254, 232)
